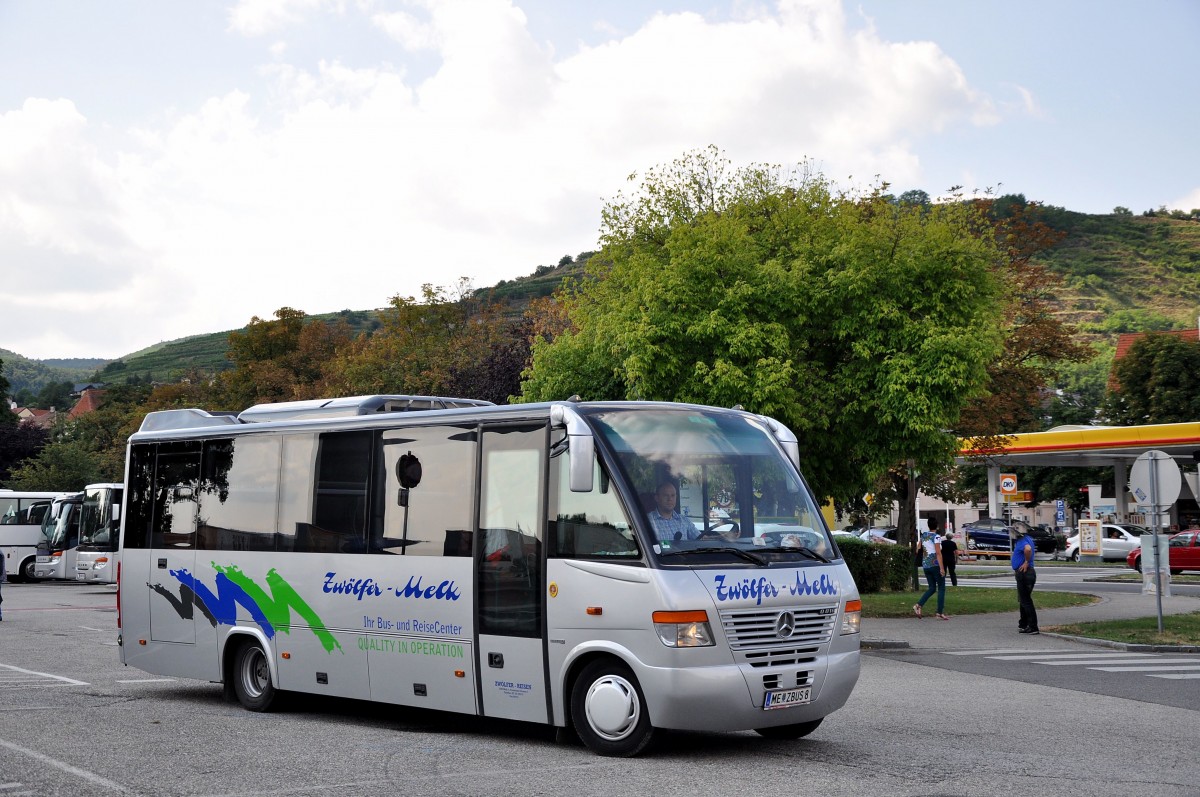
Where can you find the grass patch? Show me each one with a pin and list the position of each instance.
(1137, 577)
(1178, 629)
(967, 600)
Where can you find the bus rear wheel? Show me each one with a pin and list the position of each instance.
(789, 732)
(252, 678)
(609, 711)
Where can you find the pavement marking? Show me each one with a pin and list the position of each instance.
(89, 628)
(144, 679)
(1080, 657)
(1120, 661)
(1176, 676)
(1148, 668)
(986, 652)
(91, 777)
(41, 675)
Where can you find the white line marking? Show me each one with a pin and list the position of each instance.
(1076, 656)
(986, 652)
(1176, 676)
(89, 628)
(1148, 668)
(1120, 661)
(71, 681)
(91, 777)
(144, 680)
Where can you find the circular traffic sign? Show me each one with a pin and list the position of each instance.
(1155, 480)
(1008, 483)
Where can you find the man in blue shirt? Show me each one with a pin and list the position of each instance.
(669, 524)
(1022, 565)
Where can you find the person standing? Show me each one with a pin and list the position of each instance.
(1026, 575)
(950, 558)
(935, 570)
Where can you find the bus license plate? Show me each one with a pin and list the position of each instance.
(80, 576)
(782, 698)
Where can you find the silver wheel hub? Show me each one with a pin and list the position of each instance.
(255, 676)
(612, 707)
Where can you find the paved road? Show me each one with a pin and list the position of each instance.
(73, 721)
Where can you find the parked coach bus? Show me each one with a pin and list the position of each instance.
(21, 517)
(60, 538)
(99, 534)
(494, 561)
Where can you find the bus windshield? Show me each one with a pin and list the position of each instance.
(65, 528)
(94, 521)
(714, 482)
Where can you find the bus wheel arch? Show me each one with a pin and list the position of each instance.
(607, 708)
(27, 572)
(248, 672)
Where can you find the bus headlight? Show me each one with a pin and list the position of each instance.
(683, 629)
(851, 617)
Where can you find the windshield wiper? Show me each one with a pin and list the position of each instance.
(800, 549)
(738, 552)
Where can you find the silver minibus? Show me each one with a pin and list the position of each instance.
(616, 568)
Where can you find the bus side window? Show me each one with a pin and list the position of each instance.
(141, 498)
(429, 513)
(587, 524)
(342, 500)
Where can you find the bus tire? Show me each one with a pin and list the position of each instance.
(252, 678)
(609, 711)
(789, 732)
(28, 570)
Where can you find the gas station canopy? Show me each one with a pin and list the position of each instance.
(1089, 446)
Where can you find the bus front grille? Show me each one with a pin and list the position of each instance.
(779, 636)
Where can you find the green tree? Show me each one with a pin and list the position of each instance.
(1157, 381)
(862, 324)
(7, 418)
(19, 442)
(63, 465)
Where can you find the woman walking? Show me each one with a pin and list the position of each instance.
(935, 570)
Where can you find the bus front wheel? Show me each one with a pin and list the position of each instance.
(789, 732)
(609, 712)
(28, 570)
(252, 678)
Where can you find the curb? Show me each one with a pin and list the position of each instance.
(883, 644)
(1128, 647)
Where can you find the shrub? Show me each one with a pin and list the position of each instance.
(876, 566)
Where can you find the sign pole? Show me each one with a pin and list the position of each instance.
(1154, 528)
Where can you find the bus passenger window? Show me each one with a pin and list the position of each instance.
(342, 500)
(428, 513)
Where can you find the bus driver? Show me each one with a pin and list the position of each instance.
(669, 524)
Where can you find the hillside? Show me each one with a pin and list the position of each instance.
(1121, 273)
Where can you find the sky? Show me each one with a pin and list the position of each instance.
(172, 169)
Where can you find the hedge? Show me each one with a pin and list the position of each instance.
(876, 566)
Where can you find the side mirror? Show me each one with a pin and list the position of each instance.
(583, 453)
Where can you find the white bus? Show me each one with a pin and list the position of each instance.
(488, 560)
(60, 539)
(21, 516)
(99, 534)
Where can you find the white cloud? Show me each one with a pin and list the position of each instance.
(1188, 202)
(337, 187)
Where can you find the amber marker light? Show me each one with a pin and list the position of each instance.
(595, 611)
(683, 629)
(141, 641)
(852, 617)
(460, 673)
(285, 655)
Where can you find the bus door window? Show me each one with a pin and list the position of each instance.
(508, 550)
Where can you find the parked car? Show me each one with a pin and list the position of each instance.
(1116, 541)
(884, 534)
(1183, 553)
(988, 536)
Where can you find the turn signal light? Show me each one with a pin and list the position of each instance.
(851, 618)
(683, 629)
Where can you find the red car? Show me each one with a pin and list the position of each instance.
(1184, 552)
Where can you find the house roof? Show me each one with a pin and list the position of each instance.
(1127, 339)
(90, 401)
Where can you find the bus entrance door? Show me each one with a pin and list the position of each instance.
(173, 543)
(509, 565)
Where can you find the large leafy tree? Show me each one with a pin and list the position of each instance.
(1157, 381)
(450, 341)
(863, 324)
(7, 418)
(19, 442)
